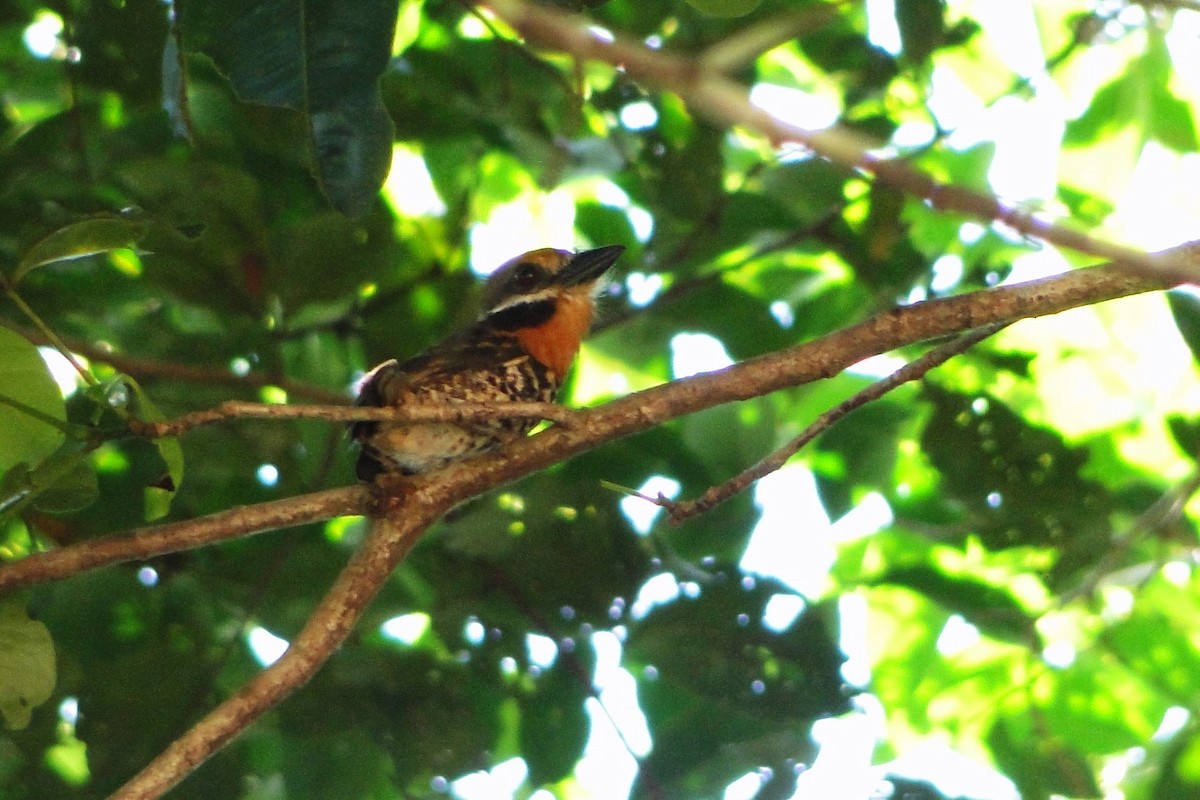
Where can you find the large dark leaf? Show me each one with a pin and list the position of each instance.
(322, 58)
(742, 694)
(1018, 484)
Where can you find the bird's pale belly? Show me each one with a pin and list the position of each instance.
(426, 446)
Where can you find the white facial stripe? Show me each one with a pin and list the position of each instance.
(521, 299)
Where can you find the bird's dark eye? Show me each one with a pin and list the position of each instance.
(526, 277)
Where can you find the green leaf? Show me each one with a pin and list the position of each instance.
(554, 725)
(158, 496)
(1010, 478)
(1040, 766)
(1186, 433)
(922, 26)
(25, 379)
(1140, 96)
(87, 237)
(724, 8)
(73, 485)
(27, 666)
(991, 608)
(322, 58)
(1156, 645)
(1185, 307)
(1169, 118)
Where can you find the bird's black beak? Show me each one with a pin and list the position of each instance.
(589, 265)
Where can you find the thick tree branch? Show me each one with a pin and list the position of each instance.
(587, 428)
(391, 536)
(710, 93)
(172, 537)
(411, 505)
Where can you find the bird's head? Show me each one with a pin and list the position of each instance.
(545, 299)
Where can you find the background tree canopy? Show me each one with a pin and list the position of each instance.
(1005, 602)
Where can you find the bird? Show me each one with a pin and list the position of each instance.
(537, 308)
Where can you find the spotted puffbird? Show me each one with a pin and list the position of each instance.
(537, 308)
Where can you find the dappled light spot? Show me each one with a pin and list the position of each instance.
(783, 314)
(267, 475)
(879, 366)
(542, 650)
(109, 459)
(62, 371)
(502, 780)
(641, 513)
(638, 116)
(409, 188)
(265, 647)
(1174, 720)
(534, 217)
(695, 353)
(44, 38)
(68, 710)
(147, 576)
(804, 109)
(781, 611)
(745, 787)
(1059, 654)
(512, 503)
(1178, 572)
(407, 628)
(657, 591)
(474, 631)
(642, 288)
(956, 636)
(616, 608)
(947, 272)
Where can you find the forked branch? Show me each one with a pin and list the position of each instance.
(409, 506)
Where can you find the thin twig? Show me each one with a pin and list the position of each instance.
(914, 370)
(1161, 514)
(450, 412)
(141, 368)
(47, 334)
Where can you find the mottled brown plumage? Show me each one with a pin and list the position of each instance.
(537, 309)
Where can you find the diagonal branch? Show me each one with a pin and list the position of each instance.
(914, 370)
(712, 94)
(821, 358)
(390, 539)
(411, 505)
